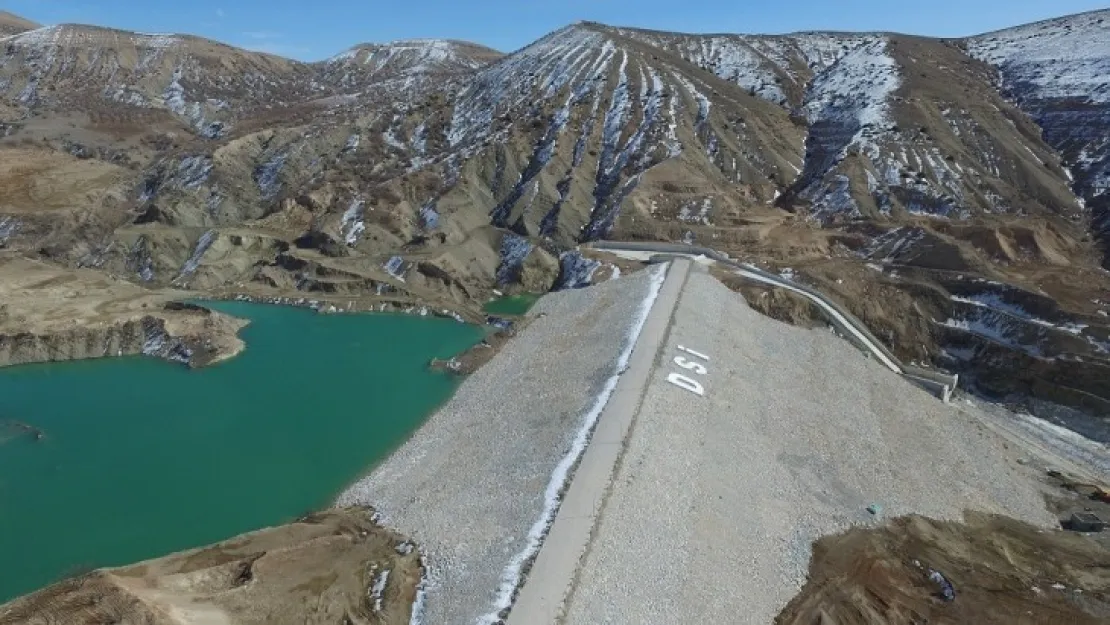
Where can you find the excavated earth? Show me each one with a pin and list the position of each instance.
(1002, 572)
(338, 566)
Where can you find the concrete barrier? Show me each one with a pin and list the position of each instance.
(941, 384)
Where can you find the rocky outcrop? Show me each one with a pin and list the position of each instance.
(539, 271)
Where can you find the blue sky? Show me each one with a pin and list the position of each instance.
(318, 29)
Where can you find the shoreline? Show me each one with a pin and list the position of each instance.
(145, 334)
(192, 337)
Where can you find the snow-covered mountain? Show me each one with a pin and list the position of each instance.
(203, 83)
(416, 56)
(951, 192)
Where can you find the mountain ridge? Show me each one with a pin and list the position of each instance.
(923, 182)
(26, 24)
(11, 23)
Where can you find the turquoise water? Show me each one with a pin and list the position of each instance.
(512, 304)
(142, 457)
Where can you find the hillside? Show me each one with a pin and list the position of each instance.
(950, 192)
(12, 24)
(411, 57)
(1056, 71)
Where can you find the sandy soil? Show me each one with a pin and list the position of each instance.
(52, 313)
(35, 180)
(334, 567)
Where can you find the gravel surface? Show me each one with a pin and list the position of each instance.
(470, 484)
(718, 498)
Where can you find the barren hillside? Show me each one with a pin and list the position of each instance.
(12, 24)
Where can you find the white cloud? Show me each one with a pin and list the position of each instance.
(220, 13)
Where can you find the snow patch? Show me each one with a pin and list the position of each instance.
(1067, 57)
(395, 267)
(193, 263)
(575, 271)
(268, 176)
(993, 301)
(514, 250)
(381, 579)
(9, 227)
(351, 224)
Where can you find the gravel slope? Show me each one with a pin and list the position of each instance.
(718, 498)
(470, 484)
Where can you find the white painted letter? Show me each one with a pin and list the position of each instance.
(690, 351)
(682, 381)
(692, 366)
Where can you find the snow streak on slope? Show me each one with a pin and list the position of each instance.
(730, 57)
(193, 263)
(89, 37)
(1067, 57)
(634, 157)
(203, 82)
(577, 74)
(730, 60)
(410, 58)
(848, 106)
(606, 92)
(762, 65)
(541, 155)
(550, 221)
(819, 51)
(498, 88)
(855, 93)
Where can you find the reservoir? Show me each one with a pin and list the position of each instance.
(512, 304)
(141, 457)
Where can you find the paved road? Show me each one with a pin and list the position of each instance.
(752, 439)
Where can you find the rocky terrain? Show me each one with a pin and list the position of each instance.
(952, 193)
(338, 566)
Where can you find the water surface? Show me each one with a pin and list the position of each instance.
(142, 457)
(512, 304)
